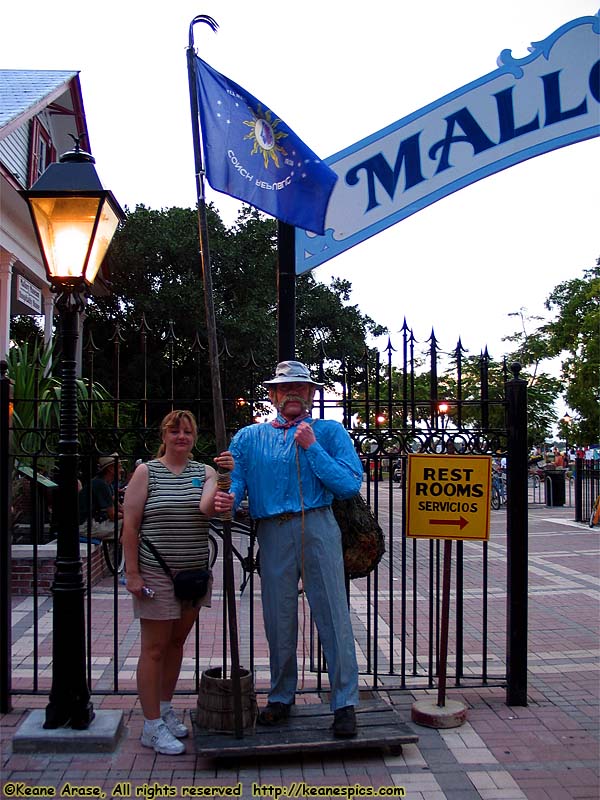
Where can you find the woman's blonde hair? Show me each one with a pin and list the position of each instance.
(174, 420)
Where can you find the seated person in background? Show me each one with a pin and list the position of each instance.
(102, 494)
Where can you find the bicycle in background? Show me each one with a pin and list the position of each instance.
(498, 495)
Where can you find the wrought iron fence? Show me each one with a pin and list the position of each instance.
(587, 487)
(392, 404)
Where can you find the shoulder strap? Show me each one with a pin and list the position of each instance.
(157, 556)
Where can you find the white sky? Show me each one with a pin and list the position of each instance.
(337, 71)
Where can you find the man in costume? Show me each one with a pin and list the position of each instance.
(291, 469)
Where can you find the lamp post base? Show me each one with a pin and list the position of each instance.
(78, 716)
(102, 736)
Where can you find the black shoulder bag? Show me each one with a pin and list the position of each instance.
(189, 584)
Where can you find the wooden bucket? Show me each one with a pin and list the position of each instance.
(215, 701)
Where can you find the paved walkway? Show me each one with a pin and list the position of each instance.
(547, 750)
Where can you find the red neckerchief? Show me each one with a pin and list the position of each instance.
(290, 423)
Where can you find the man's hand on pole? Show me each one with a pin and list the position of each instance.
(223, 499)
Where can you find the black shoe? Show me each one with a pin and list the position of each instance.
(344, 723)
(273, 713)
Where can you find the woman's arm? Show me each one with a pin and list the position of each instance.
(135, 500)
(213, 500)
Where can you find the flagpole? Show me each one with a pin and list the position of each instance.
(223, 478)
(286, 291)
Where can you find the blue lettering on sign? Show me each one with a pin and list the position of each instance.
(483, 135)
(554, 113)
(506, 117)
(377, 167)
(473, 134)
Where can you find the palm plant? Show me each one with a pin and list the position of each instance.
(36, 408)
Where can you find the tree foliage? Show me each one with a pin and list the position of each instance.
(155, 271)
(574, 335)
(33, 370)
(155, 315)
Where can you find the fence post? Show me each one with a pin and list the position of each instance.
(578, 489)
(5, 540)
(517, 540)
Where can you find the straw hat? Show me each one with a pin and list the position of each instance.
(291, 372)
(107, 461)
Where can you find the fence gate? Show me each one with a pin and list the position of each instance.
(393, 404)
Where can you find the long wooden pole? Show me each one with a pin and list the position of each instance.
(224, 480)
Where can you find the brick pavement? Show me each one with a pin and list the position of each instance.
(549, 749)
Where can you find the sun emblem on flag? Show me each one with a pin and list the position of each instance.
(263, 132)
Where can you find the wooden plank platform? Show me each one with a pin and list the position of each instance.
(308, 729)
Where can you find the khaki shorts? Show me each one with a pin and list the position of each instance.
(164, 604)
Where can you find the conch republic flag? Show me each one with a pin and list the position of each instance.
(251, 154)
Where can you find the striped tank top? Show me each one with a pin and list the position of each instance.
(172, 519)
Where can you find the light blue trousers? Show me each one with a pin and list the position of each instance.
(281, 544)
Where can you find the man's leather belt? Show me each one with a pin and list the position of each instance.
(287, 515)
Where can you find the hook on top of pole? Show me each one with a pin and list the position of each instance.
(212, 24)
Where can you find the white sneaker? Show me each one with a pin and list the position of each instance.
(175, 727)
(163, 741)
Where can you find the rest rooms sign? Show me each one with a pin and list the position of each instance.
(449, 497)
(527, 107)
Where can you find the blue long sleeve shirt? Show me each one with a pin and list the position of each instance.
(281, 477)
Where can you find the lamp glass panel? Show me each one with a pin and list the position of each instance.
(107, 225)
(65, 226)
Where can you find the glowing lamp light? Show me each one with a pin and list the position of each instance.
(443, 408)
(74, 218)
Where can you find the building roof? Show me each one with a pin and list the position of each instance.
(24, 92)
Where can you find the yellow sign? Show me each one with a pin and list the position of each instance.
(449, 497)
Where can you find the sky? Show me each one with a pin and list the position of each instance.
(337, 71)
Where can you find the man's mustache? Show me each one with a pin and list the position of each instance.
(294, 398)
(290, 396)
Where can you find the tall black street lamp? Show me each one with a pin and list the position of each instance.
(74, 220)
(566, 421)
(443, 411)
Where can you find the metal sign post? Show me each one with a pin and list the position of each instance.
(448, 498)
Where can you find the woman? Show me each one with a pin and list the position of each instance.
(168, 502)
